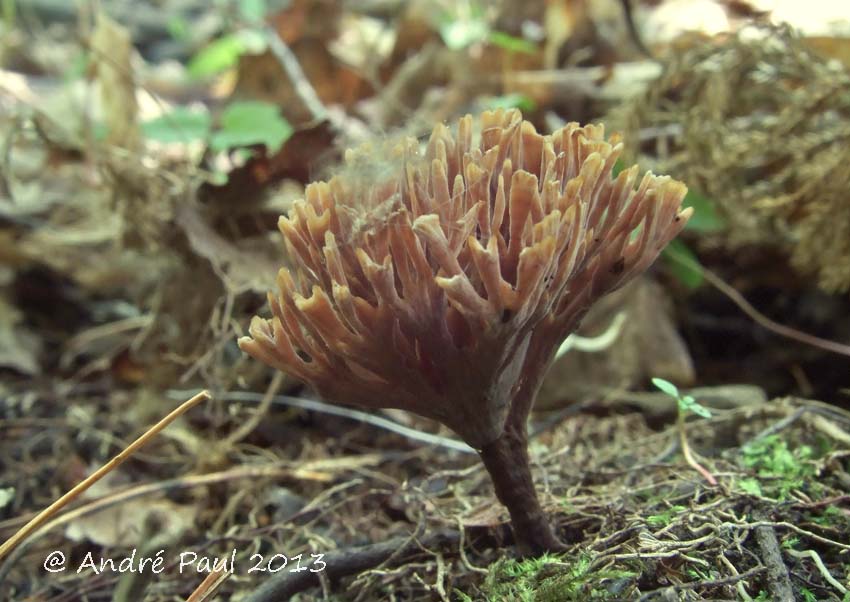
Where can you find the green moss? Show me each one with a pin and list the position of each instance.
(553, 578)
(830, 516)
(664, 518)
(779, 468)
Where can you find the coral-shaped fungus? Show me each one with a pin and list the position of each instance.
(445, 287)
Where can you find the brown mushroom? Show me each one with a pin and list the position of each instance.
(445, 287)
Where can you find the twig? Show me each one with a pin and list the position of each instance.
(811, 554)
(703, 584)
(43, 516)
(792, 527)
(740, 586)
(834, 500)
(439, 580)
(758, 317)
(281, 586)
(303, 88)
(265, 403)
(778, 580)
(641, 555)
(208, 586)
(461, 549)
(777, 426)
(325, 408)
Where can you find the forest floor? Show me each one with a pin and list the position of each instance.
(639, 522)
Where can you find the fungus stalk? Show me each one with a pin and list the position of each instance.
(444, 285)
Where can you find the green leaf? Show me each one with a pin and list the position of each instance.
(252, 122)
(689, 404)
(180, 125)
(511, 43)
(701, 411)
(218, 56)
(705, 217)
(667, 387)
(7, 494)
(664, 518)
(683, 264)
(510, 101)
(223, 53)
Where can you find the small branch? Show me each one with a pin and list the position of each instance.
(705, 584)
(265, 403)
(314, 405)
(795, 529)
(45, 515)
(206, 590)
(281, 586)
(594, 344)
(777, 426)
(758, 317)
(815, 557)
(778, 580)
(741, 585)
(303, 88)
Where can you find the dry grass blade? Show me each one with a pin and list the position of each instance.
(206, 590)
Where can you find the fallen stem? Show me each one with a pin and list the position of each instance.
(815, 557)
(758, 317)
(314, 405)
(778, 579)
(265, 403)
(686, 451)
(207, 588)
(342, 563)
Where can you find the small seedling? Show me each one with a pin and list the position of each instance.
(685, 404)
